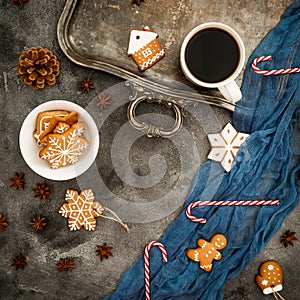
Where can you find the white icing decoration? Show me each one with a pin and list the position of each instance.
(206, 266)
(196, 256)
(150, 61)
(139, 39)
(62, 128)
(265, 282)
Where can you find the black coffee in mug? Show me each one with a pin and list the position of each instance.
(212, 55)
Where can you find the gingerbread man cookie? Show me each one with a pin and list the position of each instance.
(208, 251)
(270, 278)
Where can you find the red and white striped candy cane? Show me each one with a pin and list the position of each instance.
(146, 264)
(225, 203)
(271, 72)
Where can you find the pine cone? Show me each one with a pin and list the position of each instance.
(38, 67)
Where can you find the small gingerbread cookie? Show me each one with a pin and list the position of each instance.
(208, 251)
(66, 148)
(270, 278)
(43, 120)
(145, 48)
(62, 127)
(50, 120)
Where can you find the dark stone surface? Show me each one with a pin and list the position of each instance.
(33, 25)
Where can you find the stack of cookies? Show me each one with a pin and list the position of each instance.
(60, 135)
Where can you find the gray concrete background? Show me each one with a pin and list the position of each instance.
(33, 25)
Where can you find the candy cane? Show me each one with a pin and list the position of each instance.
(271, 72)
(146, 264)
(225, 203)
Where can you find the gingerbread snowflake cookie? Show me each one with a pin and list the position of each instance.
(65, 148)
(145, 48)
(82, 211)
(270, 278)
(208, 251)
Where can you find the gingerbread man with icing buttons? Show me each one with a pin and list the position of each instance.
(208, 251)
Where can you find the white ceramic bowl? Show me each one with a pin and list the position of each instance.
(30, 150)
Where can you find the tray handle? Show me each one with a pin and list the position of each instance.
(151, 129)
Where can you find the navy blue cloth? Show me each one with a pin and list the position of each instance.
(266, 167)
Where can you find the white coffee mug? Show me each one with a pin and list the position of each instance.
(227, 86)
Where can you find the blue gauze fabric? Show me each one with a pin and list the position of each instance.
(266, 167)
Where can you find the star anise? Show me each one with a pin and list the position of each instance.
(18, 181)
(3, 222)
(19, 262)
(102, 100)
(86, 85)
(288, 238)
(20, 2)
(38, 223)
(42, 190)
(103, 251)
(137, 2)
(65, 264)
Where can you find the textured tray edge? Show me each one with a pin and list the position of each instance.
(69, 51)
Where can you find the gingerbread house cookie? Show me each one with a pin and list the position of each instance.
(144, 48)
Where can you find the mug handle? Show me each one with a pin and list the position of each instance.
(231, 91)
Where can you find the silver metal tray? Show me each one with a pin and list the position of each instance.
(94, 33)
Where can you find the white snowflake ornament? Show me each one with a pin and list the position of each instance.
(225, 145)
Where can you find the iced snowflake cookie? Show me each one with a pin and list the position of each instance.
(47, 121)
(208, 251)
(66, 148)
(82, 211)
